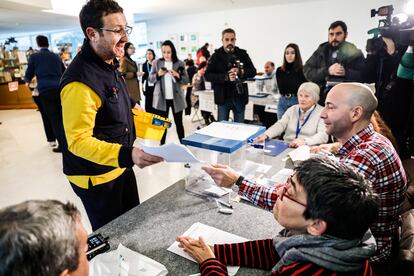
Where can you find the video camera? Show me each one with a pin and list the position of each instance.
(234, 62)
(402, 33)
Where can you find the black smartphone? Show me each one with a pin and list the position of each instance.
(164, 69)
(97, 244)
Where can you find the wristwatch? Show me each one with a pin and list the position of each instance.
(237, 184)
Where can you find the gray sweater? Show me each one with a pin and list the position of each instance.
(313, 132)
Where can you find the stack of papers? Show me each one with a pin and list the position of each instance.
(239, 132)
(212, 236)
(300, 154)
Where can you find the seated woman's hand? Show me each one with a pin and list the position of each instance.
(198, 249)
(261, 138)
(297, 143)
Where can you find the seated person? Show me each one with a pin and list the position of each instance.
(42, 238)
(199, 83)
(269, 84)
(301, 123)
(326, 209)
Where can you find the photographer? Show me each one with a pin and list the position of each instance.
(227, 68)
(394, 93)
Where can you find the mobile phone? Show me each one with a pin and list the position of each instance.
(164, 69)
(97, 244)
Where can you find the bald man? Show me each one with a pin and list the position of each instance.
(269, 84)
(347, 112)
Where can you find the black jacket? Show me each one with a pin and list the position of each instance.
(316, 67)
(113, 122)
(217, 73)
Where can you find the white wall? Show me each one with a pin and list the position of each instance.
(265, 31)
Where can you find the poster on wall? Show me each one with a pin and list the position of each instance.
(193, 38)
(173, 38)
(183, 38)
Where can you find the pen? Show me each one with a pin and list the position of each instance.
(224, 203)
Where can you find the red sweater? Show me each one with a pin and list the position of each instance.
(262, 254)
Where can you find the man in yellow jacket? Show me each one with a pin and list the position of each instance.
(98, 152)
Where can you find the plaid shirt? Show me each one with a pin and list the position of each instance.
(259, 195)
(373, 156)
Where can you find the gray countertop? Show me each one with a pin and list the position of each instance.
(152, 227)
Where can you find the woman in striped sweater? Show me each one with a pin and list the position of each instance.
(326, 209)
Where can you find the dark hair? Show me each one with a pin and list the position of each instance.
(93, 11)
(228, 30)
(202, 65)
(39, 238)
(339, 196)
(297, 64)
(126, 46)
(173, 50)
(189, 63)
(42, 41)
(152, 51)
(340, 24)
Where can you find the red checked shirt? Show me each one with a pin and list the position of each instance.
(374, 156)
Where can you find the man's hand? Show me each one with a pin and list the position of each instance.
(198, 249)
(233, 74)
(336, 69)
(390, 45)
(331, 148)
(261, 138)
(222, 175)
(137, 106)
(142, 159)
(297, 143)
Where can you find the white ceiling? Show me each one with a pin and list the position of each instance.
(23, 16)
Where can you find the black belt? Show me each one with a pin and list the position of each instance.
(289, 95)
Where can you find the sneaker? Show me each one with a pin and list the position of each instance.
(52, 144)
(58, 149)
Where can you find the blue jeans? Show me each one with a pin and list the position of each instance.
(236, 106)
(284, 104)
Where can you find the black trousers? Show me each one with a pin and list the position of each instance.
(188, 100)
(178, 120)
(50, 102)
(149, 95)
(50, 135)
(266, 118)
(108, 201)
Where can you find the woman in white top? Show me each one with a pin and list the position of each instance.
(169, 75)
(301, 123)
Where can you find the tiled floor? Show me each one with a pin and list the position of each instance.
(30, 170)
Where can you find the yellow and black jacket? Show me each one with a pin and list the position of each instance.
(97, 120)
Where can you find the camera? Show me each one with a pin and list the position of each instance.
(234, 62)
(402, 33)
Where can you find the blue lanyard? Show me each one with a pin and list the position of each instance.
(298, 126)
(148, 68)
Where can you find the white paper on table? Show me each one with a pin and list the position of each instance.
(172, 153)
(217, 191)
(239, 132)
(282, 176)
(211, 235)
(300, 154)
(124, 261)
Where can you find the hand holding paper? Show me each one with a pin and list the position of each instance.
(172, 153)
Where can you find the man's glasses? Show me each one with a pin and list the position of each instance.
(121, 32)
(284, 190)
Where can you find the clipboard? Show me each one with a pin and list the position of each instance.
(274, 147)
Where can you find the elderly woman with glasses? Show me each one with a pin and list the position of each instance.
(301, 124)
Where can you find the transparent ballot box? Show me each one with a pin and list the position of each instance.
(210, 150)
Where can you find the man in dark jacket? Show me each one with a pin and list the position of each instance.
(227, 68)
(335, 60)
(48, 68)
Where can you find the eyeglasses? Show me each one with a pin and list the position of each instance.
(121, 32)
(284, 192)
